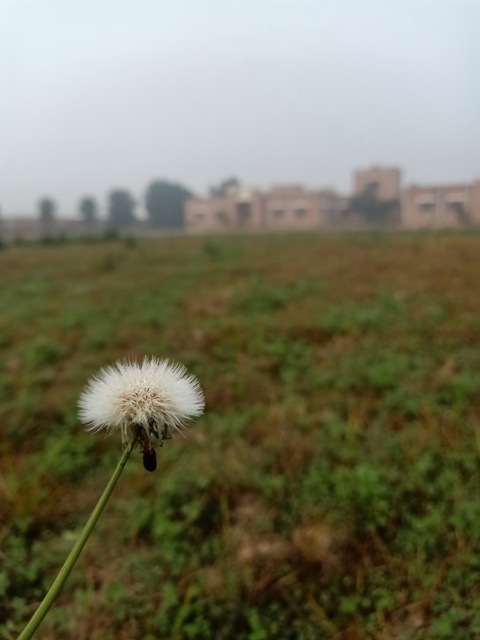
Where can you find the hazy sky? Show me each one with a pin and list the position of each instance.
(98, 94)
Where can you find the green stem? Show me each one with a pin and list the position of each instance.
(49, 599)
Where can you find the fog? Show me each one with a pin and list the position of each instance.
(101, 94)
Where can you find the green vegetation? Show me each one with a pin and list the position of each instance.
(332, 489)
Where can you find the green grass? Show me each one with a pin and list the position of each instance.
(332, 489)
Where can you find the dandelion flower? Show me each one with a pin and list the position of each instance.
(147, 401)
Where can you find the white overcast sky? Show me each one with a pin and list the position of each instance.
(99, 94)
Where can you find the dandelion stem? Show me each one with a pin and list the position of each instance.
(49, 599)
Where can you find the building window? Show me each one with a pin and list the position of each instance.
(455, 207)
(278, 213)
(300, 213)
(426, 207)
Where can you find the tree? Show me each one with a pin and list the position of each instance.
(224, 186)
(88, 210)
(164, 202)
(121, 208)
(47, 211)
(374, 210)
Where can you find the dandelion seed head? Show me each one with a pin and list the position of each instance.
(157, 394)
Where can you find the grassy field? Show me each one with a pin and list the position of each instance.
(332, 489)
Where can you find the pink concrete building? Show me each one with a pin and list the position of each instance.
(284, 207)
(445, 206)
(291, 207)
(377, 199)
(241, 209)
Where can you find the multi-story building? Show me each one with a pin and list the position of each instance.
(377, 199)
(292, 207)
(284, 207)
(381, 182)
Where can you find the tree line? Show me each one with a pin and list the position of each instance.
(164, 202)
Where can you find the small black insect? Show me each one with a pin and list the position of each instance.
(149, 459)
(149, 455)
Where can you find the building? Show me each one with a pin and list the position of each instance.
(241, 209)
(448, 206)
(284, 207)
(290, 207)
(293, 208)
(377, 200)
(382, 182)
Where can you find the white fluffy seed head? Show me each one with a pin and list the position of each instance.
(155, 392)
